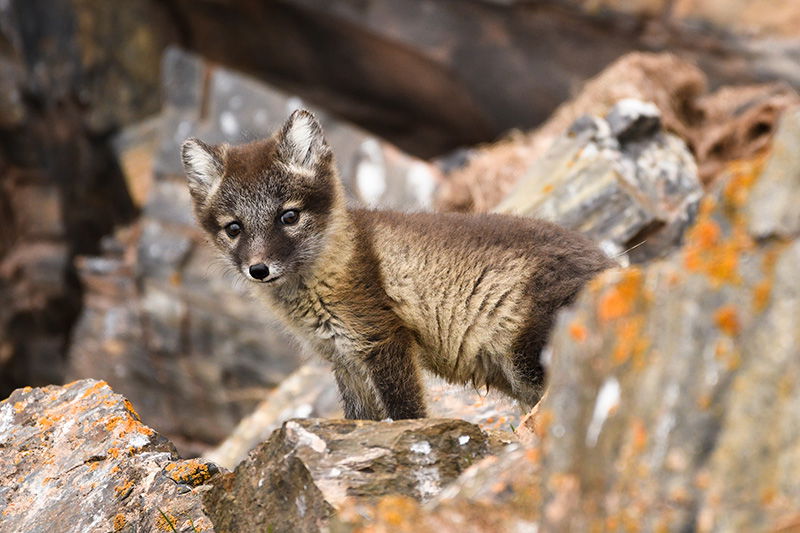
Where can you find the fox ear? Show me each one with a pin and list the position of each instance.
(301, 141)
(203, 166)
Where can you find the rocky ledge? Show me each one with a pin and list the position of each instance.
(79, 456)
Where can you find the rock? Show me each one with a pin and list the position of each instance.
(314, 466)
(240, 109)
(70, 73)
(311, 392)
(685, 363)
(620, 180)
(80, 457)
(773, 205)
(727, 125)
(469, 57)
(498, 493)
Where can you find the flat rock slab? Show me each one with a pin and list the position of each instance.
(309, 467)
(310, 392)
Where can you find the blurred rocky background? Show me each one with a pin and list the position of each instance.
(666, 130)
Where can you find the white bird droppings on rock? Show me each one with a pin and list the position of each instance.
(421, 447)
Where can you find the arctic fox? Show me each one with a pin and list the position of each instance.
(382, 294)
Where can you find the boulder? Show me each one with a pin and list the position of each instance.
(79, 456)
(314, 466)
(498, 493)
(729, 124)
(484, 67)
(71, 72)
(620, 180)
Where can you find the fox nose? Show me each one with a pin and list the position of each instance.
(259, 271)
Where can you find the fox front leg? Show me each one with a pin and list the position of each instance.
(358, 398)
(395, 377)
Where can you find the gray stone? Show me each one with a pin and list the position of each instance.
(309, 467)
(620, 180)
(233, 108)
(774, 205)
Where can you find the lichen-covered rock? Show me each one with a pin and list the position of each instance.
(311, 392)
(77, 458)
(675, 410)
(620, 180)
(309, 467)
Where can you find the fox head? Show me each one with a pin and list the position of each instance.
(269, 206)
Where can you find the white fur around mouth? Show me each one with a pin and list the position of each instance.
(270, 280)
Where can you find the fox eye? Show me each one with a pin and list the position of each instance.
(290, 217)
(233, 229)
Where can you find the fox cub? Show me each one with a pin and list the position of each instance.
(382, 294)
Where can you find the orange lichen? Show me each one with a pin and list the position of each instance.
(93, 389)
(768, 495)
(618, 300)
(578, 331)
(120, 522)
(639, 436)
(542, 422)
(498, 487)
(396, 511)
(129, 407)
(704, 401)
(727, 320)
(533, 455)
(761, 294)
(94, 465)
(19, 406)
(113, 452)
(127, 424)
(191, 472)
(45, 422)
(702, 480)
(763, 289)
(630, 342)
(166, 521)
(743, 175)
(709, 251)
(547, 189)
(122, 490)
